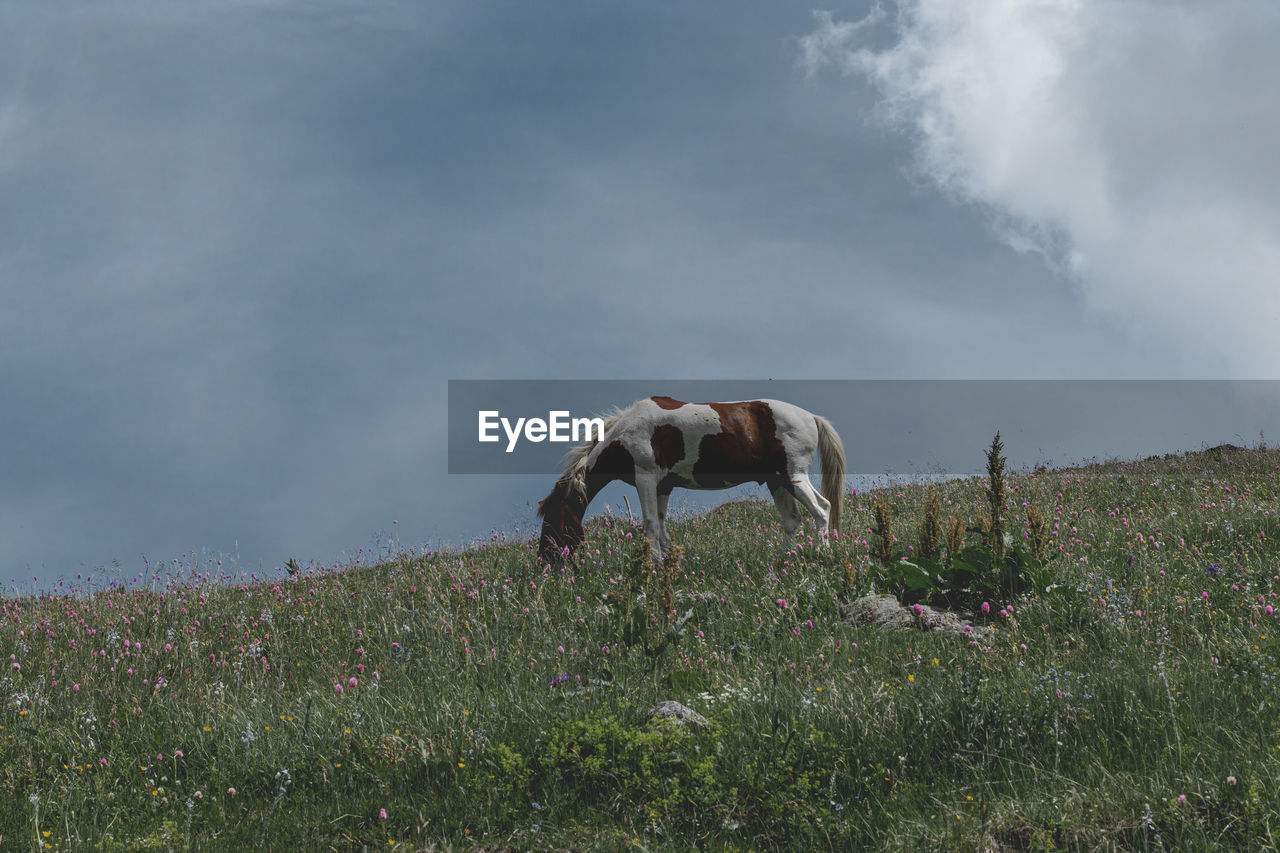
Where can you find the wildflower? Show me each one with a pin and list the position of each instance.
(382, 814)
(1231, 780)
(986, 607)
(231, 792)
(917, 609)
(352, 683)
(337, 688)
(782, 604)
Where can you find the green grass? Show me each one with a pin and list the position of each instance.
(498, 705)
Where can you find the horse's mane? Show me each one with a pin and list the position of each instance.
(573, 475)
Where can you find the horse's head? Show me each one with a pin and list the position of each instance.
(561, 513)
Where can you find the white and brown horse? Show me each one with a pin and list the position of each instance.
(659, 443)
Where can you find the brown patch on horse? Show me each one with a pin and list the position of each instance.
(746, 449)
(668, 445)
(563, 509)
(613, 463)
(667, 403)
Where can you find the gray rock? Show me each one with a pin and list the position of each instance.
(678, 714)
(884, 612)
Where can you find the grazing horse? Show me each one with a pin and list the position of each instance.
(659, 443)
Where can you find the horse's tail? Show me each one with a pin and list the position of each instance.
(832, 452)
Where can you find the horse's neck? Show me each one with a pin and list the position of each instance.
(594, 486)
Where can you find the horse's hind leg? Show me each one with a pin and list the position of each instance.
(790, 512)
(816, 504)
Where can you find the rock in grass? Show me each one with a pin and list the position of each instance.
(884, 612)
(678, 714)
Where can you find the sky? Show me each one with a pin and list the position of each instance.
(245, 246)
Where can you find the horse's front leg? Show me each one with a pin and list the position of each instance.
(647, 489)
(662, 522)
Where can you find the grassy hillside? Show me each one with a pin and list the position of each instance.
(476, 701)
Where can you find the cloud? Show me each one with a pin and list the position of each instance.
(1129, 144)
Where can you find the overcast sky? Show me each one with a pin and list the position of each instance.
(244, 246)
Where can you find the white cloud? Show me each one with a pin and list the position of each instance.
(1132, 144)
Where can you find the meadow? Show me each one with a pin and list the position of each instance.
(475, 700)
